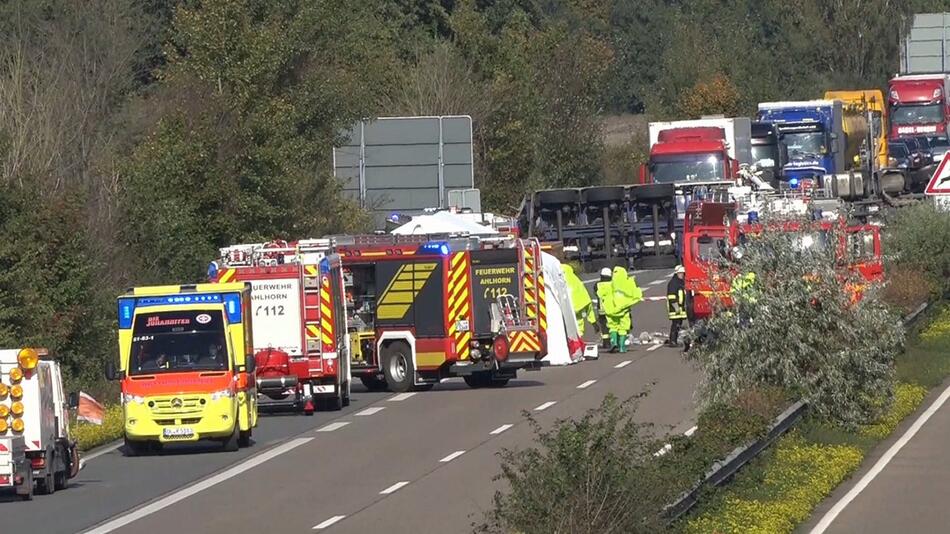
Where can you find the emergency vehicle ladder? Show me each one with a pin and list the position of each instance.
(311, 306)
(530, 268)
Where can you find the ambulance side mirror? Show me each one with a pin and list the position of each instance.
(73, 400)
(111, 372)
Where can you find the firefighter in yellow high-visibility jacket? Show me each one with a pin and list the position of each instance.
(676, 304)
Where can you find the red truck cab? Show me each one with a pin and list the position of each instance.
(918, 106)
(690, 155)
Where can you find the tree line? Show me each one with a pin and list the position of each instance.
(138, 136)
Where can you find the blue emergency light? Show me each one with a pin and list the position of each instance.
(127, 305)
(434, 247)
(212, 270)
(793, 183)
(753, 216)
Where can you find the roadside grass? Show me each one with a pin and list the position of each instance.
(90, 436)
(778, 490)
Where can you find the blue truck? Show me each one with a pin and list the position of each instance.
(811, 137)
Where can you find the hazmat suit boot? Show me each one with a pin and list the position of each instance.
(623, 343)
(614, 341)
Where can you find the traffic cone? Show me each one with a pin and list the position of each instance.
(308, 406)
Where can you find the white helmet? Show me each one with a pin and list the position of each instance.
(606, 272)
(679, 269)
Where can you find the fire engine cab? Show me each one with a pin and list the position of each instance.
(422, 309)
(299, 321)
(714, 229)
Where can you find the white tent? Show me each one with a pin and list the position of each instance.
(443, 222)
(565, 343)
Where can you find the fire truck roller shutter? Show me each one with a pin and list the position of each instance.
(494, 273)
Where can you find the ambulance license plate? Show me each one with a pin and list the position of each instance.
(178, 432)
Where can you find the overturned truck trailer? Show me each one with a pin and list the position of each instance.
(633, 226)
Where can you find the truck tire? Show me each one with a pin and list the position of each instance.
(550, 197)
(135, 448)
(398, 367)
(244, 438)
(478, 379)
(334, 403)
(650, 192)
(25, 492)
(46, 486)
(232, 442)
(373, 383)
(600, 195)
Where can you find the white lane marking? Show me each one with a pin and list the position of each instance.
(500, 429)
(452, 456)
(623, 364)
(880, 465)
(198, 487)
(401, 397)
(587, 384)
(394, 488)
(371, 411)
(333, 426)
(545, 406)
(656, 282)
(654, 347)
(666, 448)
(691, 431)
(329, 522)
(105, 450)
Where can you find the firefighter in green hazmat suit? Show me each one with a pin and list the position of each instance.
(580, 299)
(625, 294)
(604, 299)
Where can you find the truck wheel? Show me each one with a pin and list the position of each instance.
(372, 383)
(135, 448)
(398, 367)
(499, 382)
(60, 480)
(47, 486)
(653, 192)
(231, 443)
(477, 380)
(25, 492)
(244, 438)
(334, 403)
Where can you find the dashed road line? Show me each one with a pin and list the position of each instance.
(371, 411)
(329, 522)
(394, 488)
(500, 429)
(691, 431)
(198, 487)
(545, 406)
(666, 448)
(333, 426)
(623, 364)
(654, 347)
(401, 397)
(657, 282)
(452, 456)
(587, 384)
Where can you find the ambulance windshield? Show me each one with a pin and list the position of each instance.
(177, 341)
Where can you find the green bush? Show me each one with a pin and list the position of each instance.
(907, 397)
(90, 436)
(595, 474)
(918, 239)
(782, 493)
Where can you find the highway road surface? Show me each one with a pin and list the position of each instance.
(412, 462)
(904, 486)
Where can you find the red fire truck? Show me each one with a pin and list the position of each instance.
(299, 321)
(421, 310)
(711, 231)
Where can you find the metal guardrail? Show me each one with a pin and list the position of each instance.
(725, 469)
